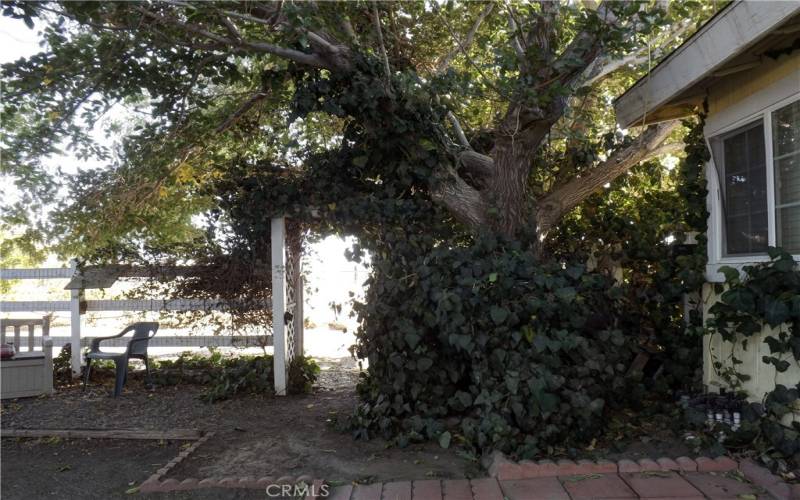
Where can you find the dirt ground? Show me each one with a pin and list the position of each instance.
(254, 436)
(79, 468)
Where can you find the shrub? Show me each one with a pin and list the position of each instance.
(525, 354)
(225, 377)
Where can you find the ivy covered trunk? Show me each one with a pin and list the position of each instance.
(526, 355)
(482, 340)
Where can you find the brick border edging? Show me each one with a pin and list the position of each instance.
(502, 468)
(155, 483)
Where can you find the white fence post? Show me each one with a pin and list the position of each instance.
(278, 262)
(75, 325)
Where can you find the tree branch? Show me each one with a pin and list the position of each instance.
(463, 201)
(462, 138)
(463, 46)
(313, 60)
(376, 21)
(554, 205)
(515, 41)
(602, 67)
(477, 165)
(241, 111)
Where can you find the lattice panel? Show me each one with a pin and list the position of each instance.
(291, 303)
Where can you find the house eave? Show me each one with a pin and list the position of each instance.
(674, 88)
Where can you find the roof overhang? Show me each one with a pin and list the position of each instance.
(734, 40)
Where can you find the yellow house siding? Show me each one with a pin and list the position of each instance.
(764, 377)
(738, 86)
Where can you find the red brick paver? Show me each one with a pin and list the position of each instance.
(661, 485)
(597, 486)
(397, 491)
(427, 490)
(456, 489)
(719, 464)
(540, 488)
(486, 489)
(768, 481)
(662, 478)
(367, 491)
(341, 492)
(717, 486)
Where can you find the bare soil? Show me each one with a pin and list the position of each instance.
(80, 468)
(254, 436)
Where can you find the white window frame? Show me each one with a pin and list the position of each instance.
(716, 233)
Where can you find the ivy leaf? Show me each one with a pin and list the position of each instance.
(444, 440)
(412, 339)
(499, 314)
(424, 363)
(360, 161)
(776, 312)
(492, 277)
(427, 145)
(740, 298)
(566, 293)
(528, 333)
(731, 274)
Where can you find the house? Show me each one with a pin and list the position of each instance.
(743, 65)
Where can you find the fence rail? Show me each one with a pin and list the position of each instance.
(165, 341)
(44, 273)
(286, 303)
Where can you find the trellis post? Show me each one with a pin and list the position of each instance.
(75, 323)
(278, 262)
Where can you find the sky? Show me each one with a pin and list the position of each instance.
(332, 276)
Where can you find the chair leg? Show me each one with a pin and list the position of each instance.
(147, 371)
(122, 372)
(88, 371)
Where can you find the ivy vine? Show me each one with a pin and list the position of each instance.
(765, 294)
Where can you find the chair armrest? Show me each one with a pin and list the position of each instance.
(95, 346)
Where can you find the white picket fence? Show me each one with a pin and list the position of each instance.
(287, 297)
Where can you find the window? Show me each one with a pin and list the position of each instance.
(786, 158)
(760, 185)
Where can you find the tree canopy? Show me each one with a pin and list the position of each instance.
(484, 116)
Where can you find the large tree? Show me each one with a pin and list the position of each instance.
(497, 112)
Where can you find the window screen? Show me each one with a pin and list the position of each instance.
(786, 155)
(740, 157)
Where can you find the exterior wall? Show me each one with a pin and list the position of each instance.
(731, 103)
(764, 377)
(735, 88)
(737, 100)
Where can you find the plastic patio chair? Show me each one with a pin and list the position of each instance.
(137, 349)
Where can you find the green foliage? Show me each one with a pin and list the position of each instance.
(225, 377)
(640, 224)
(62, 366)
(766, 294)
(303, 373)
(526, 355)
(529, 353)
